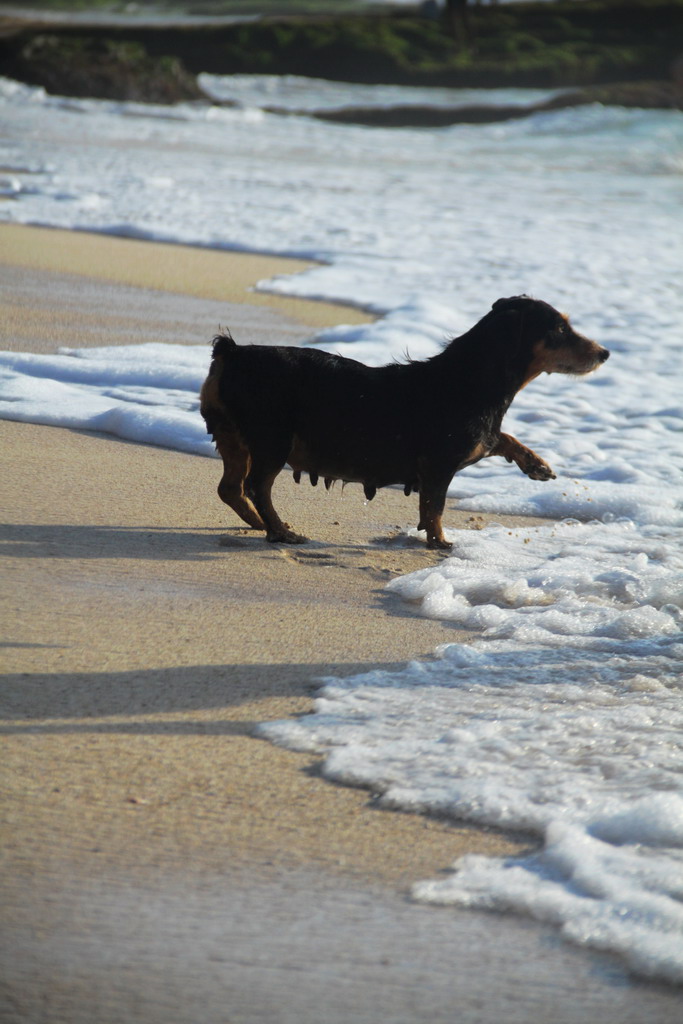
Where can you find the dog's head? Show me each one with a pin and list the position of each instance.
(545, 338)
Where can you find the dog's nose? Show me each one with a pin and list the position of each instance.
(604, 355)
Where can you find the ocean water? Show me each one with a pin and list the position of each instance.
(562, 715)
(291, 92)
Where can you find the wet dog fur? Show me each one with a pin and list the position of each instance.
(413, 424)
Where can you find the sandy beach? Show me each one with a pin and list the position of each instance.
(160, 863)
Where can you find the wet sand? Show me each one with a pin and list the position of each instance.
(157, 856)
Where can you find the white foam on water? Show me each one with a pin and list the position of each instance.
(580, 745)
(563, 719)
(292, 92)
(562, 716)
(147, 393)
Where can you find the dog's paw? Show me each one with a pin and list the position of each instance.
(537, 468)
(543, 472)
(439, 543)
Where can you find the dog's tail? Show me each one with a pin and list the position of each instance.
(223, 343)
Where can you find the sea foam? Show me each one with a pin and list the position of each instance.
(578, 744)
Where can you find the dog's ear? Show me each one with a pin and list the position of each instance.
(536, 319)
(515, 302)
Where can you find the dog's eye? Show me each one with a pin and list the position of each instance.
(557, 337)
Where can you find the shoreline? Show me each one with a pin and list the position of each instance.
(157, 854)
(352, 554)
(203, 272)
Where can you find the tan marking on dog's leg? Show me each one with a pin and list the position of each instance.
(236, 466)
(431, 510)
(528, 461)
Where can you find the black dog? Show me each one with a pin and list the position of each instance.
(414, 424)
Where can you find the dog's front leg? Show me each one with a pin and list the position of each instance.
(432, 501)
(527, 460)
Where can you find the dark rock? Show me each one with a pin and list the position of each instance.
(103, 68)
(650, 95)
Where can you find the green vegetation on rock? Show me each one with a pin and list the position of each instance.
(547, 44)
(544, 44)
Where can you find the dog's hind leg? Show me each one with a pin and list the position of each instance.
(259, 485)
(236, 467)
